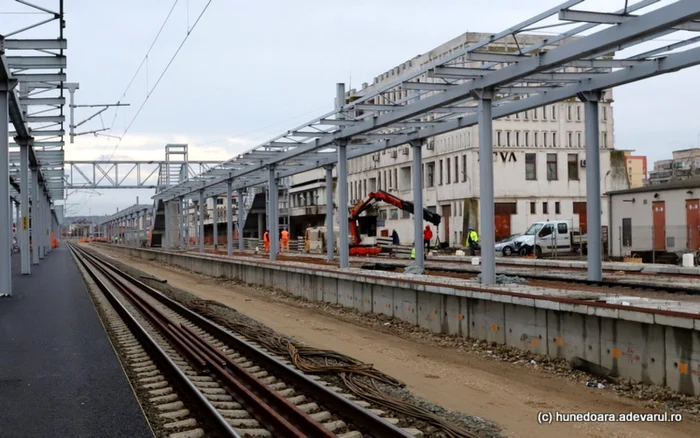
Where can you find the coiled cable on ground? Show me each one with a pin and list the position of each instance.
(359, 378)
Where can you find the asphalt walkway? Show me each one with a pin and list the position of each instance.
(59, 376)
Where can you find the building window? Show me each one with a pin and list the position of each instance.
(605, 139)
(464, 168)
(554, 139)
(605, 113)
(534, 114)
(498, 138)
(517, 116)
(391, 186)
(578, 112)
(456, 169)
(544, 138)
(405, 214)
(527, 138)
(440, 173)
(394, 213)
(544, 113)
(517, 138)
(627, 232)
(430, 175)
(531, 167)
(507, 138)
(557, 208)
(571, 140)
(379, 180)
(525, 116)
(396, 178)
(554, 112)
(572, 166)
(568, 112)
(552, 167)
(578, 139)
(534, 140)
(449, 171)
(545, 208)
(533, 208)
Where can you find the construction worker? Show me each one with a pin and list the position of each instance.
(472, 241)
(285, 240)
(427, 235)
(266, 240)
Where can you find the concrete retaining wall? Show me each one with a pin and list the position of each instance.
(647, 345)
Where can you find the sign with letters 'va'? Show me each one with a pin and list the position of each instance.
(503, 157)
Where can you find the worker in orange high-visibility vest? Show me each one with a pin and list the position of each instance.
(266, 240)
(285, 241)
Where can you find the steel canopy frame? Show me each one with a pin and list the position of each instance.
(536, 77)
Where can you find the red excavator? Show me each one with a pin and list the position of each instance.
(358, 250)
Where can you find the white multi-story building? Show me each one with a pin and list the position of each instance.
(539, 166)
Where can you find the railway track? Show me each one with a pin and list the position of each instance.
(204, 380)
(469, 272)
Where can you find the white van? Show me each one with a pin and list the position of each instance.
(547, 237)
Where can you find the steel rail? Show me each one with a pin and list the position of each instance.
(181, 381)
(275, 413)
(342, 406)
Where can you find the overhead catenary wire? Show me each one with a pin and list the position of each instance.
(155, 85)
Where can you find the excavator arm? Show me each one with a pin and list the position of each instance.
(381, 195)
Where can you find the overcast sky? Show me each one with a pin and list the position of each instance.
(252, 70)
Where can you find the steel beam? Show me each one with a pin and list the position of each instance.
(229, 218)
(42, 100)
(417, 177)
(486, 191)
(241, 222)
(37, 44)
(593, 204)
(272, 209)
(24, 193)
(5, 222)
(201, 221)
(41, 77)
(330, 241)
(215, 223)
(37, 225)
(608, 18)
(36, 62)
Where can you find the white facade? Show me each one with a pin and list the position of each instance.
(533, 177)
(664, 217)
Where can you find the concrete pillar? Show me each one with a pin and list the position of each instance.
(486, 191)
(593, 205)
(229, 218)
(5, 227)
(329, 214)
(417, 177)
(241, 222)
(24, 189)
(215, 222)
(272, 213)
(201, 221)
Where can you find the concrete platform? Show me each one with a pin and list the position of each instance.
(655, 341)
(59, 375)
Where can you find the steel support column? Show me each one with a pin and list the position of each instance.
(183, 224)
(486, 191)
(272, 212)
(229, 218)
(215, 223)
(37, 226)
(342, 188)
(593, 204)
(25, 251)
(201, 221)
(330, 241)
(241, 224)
(417, 184)
(5, 226)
